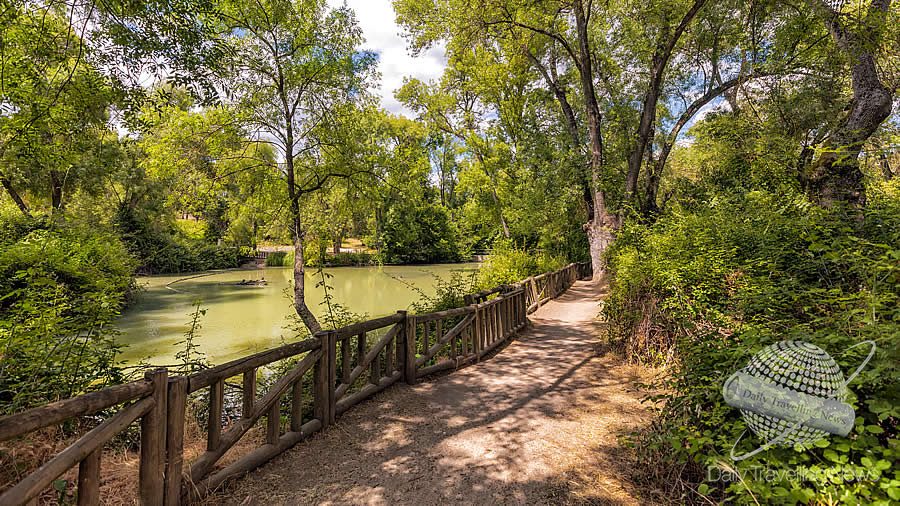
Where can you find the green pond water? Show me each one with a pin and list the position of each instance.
(241, 320)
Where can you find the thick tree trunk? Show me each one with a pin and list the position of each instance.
(601, 232)
(602, 225)
(836, 176)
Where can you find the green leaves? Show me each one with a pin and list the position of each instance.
(713, 285)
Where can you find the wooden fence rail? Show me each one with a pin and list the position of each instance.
(147, 403)
(346, 365)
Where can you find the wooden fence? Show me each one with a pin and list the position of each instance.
(347, 365)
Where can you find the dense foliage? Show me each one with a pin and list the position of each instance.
(510, 264)
(420, 234)
(62, 285)
(733, 165)
(166, 251)
(709, 285)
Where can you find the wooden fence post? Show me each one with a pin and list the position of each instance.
(409, 344)
(322, 390)
(176, 406)
(332, 374)
(478, 330)
(153, 442)
(88, 480)
(249, 393)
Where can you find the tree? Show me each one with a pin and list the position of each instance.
(53, 128)
(296, 73)
(575, 35)
(835, 175)
(453, 108)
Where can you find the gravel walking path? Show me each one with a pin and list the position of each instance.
(535, 424)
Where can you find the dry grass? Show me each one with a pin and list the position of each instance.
(119, 463)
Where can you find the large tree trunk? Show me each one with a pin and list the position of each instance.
(602, 225)
(836, 176)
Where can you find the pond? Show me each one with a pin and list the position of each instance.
(244, 319)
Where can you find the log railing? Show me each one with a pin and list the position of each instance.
(367, 366)
(341, 367)
(540, 289)
(146, 401)
(203, 475)
(452, 338)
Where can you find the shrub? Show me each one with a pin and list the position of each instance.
(160, 251)
(276, 259)
(509, 264)
(707, 289)
(420, 234)
(346, 259)
(61, 285)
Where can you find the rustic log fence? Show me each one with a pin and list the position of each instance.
(148, 404)
(347, 365)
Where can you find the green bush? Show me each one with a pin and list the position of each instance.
(420, 234)
(286, 259)
(704, 290)
(161, 251)
(509, 264)
(276, 259)
(61, 285)
(347, 259)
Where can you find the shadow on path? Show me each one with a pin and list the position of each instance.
(536, 424)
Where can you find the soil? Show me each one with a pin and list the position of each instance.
(535, 424)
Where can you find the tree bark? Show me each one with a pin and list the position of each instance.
(309, 319)
(600, 229)
(836, 176)
(14, 195)
(300, 306)
(651, 98)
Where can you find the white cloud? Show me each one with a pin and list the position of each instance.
(383, 36)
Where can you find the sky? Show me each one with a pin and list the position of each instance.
(383, 36)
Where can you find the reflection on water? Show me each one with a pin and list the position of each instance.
(244, 319)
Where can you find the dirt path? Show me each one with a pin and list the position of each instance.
(536, 424)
